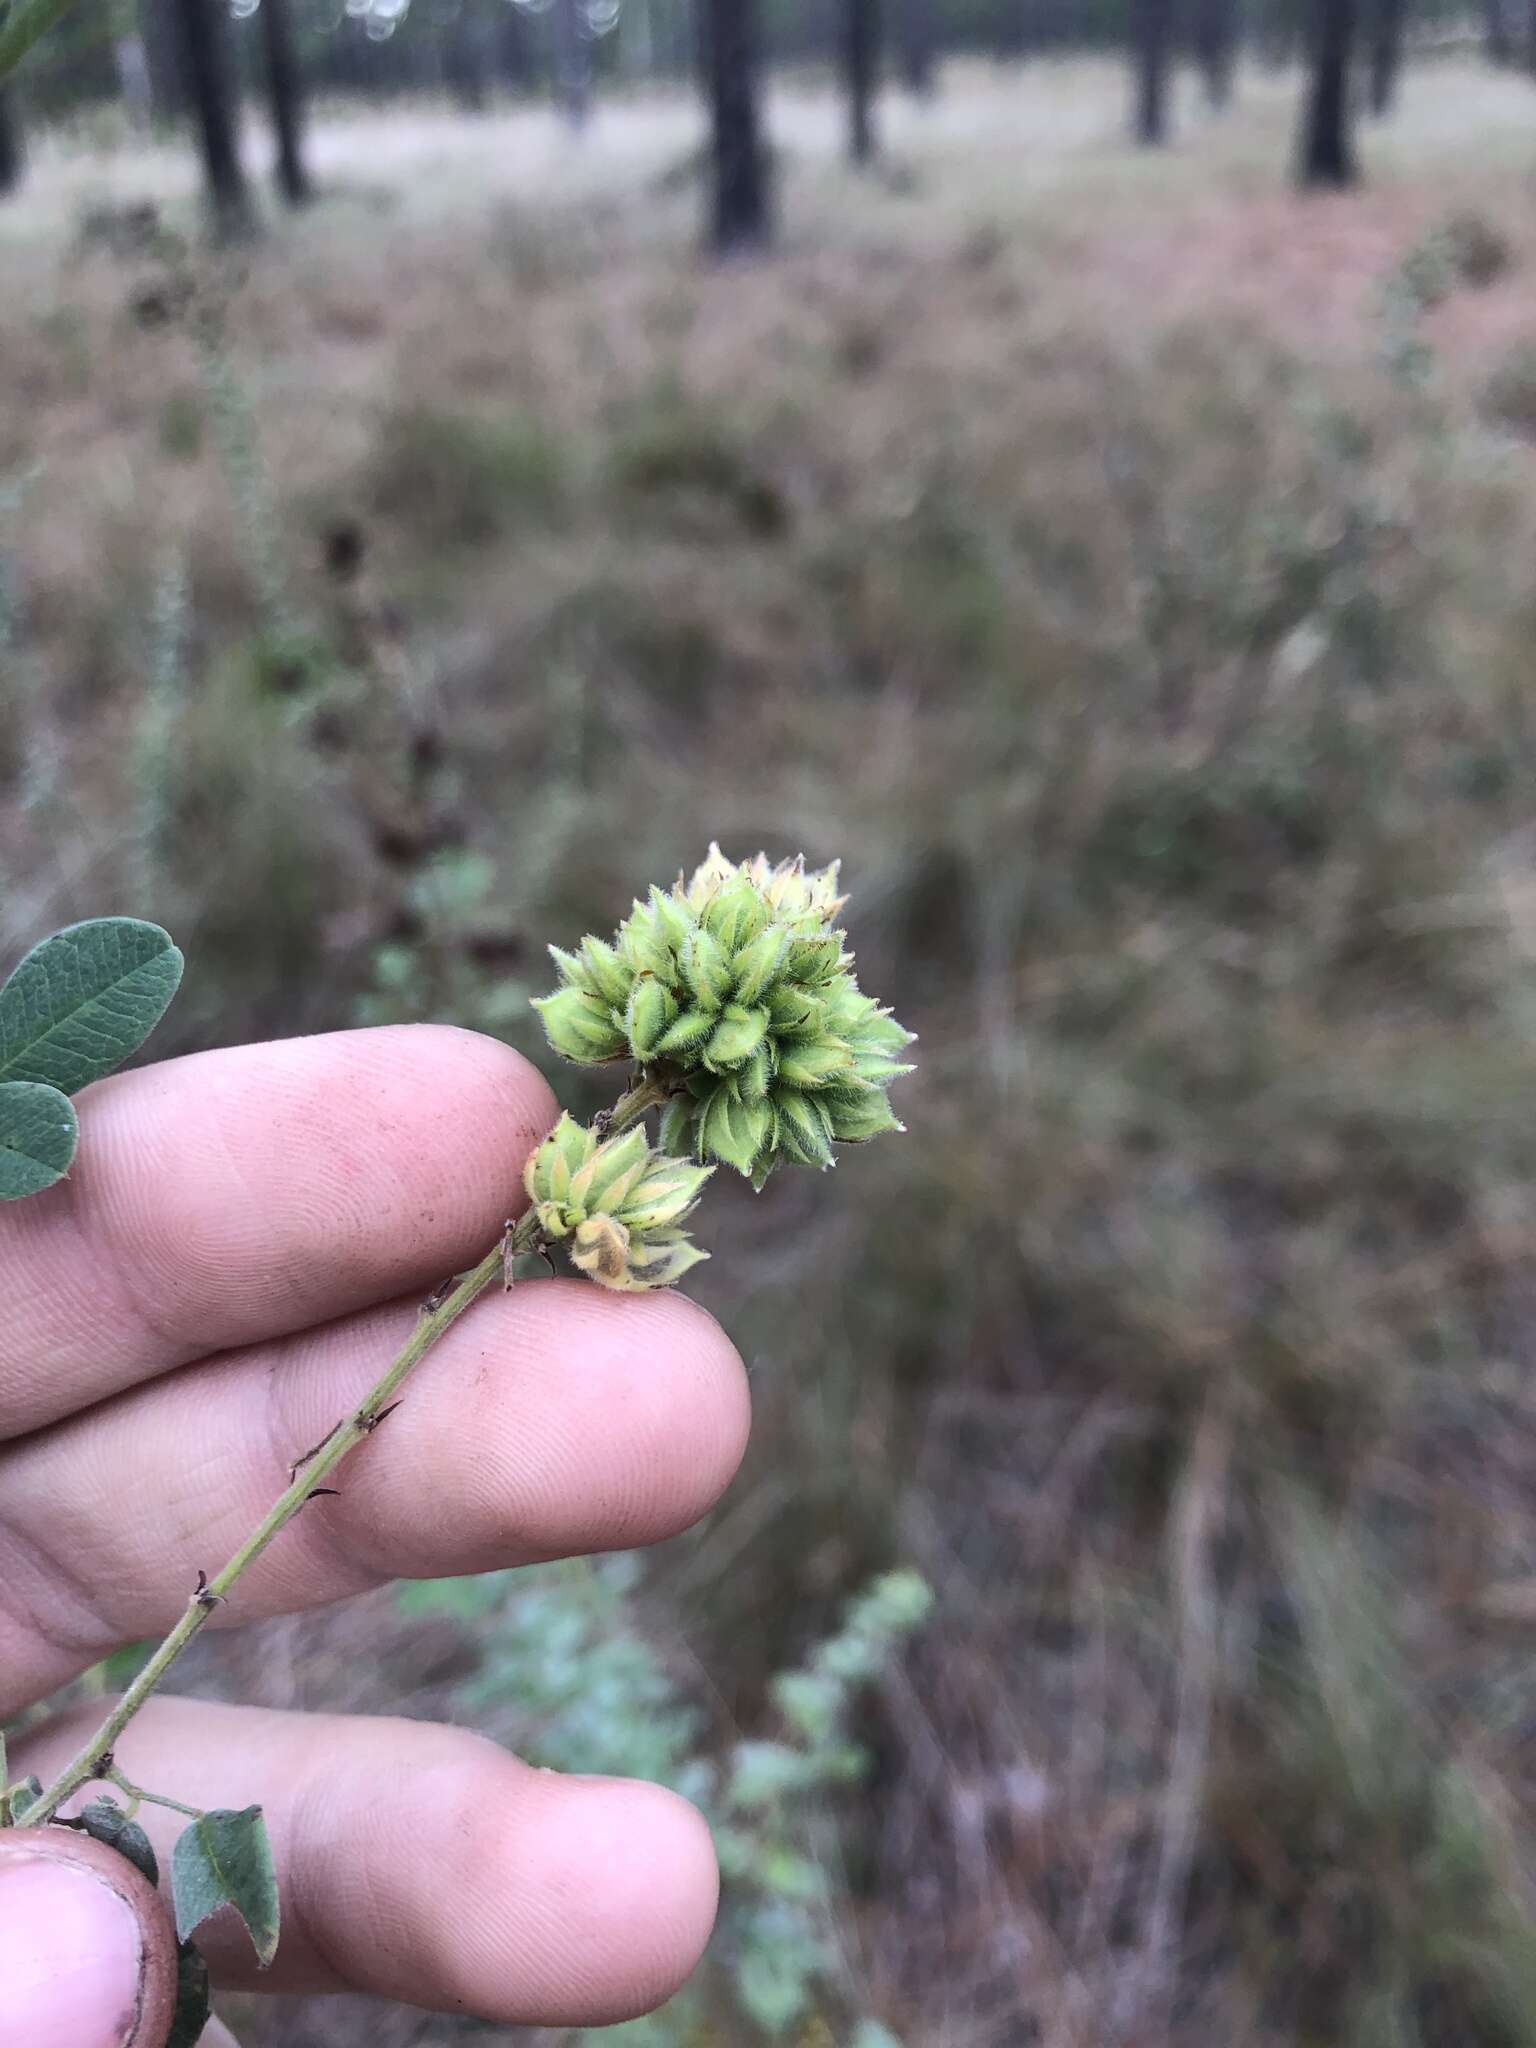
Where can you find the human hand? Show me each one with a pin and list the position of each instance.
(188, 1312)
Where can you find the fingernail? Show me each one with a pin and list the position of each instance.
(71, 1959)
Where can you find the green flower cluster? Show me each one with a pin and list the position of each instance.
(616, 1205)
(735, 989)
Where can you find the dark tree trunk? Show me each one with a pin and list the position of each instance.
(285, 94)
(918, 47)
(573, 64)
(1216, 47)
(740, 207)
(12, 154)
(1327, 145)
(204, 66)
(162, 54)
(1012, 31)
(1386, 53)
(1496, 39)
(514, 59)
(1152, 30)
(861, 64)
(468, 61)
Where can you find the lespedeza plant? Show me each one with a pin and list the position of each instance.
(732, 999)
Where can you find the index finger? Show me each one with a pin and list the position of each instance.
(231, 1196)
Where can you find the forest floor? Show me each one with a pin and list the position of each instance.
(1125, 563)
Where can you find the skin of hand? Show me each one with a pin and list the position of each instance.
(243, 1242)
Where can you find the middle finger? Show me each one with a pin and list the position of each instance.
(548, 1421)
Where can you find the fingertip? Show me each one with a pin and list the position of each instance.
(631, 1420)
(472, 1057)
(629, 1887)
(671, 1890)
(719, 1366)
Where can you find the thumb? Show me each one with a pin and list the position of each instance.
(87, 1954)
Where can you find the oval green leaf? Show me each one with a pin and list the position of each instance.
(85, 1000)
(225, 1859)
(38, 1135)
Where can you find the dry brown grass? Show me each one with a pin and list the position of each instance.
(1049, 534)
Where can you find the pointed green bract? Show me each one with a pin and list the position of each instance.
(604, 972)
(735, 1038)
(581, 1026)
(855, 1121)
(707, 968)
(687, 1034)
(736, 990)
(38, 1135)
(652, 1007)
(225, 1859)
(801, 1127)
(816, 1066)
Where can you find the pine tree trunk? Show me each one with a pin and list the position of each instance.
(1386, 53)
(1152, 29)
(1216, 47)
(918, 52)
(573, 65)
(739, 217)
(467, 60)
(162, 53)
(1327, 147)
(12, 154)
(1496, 39)
(204, 66)
(285, 93)
(1011, 36)
(514, 59)
(861, 59)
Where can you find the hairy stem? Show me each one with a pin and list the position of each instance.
(95, 1759)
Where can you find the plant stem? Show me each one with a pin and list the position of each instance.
(95, 1759)
(137, 1797)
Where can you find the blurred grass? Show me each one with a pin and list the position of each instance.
(1071, 546)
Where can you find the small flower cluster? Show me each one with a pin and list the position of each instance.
(616, 1204)
(736, 989)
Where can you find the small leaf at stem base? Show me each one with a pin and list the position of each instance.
(225, 1859)
(105, 1821)
(22, 1795)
